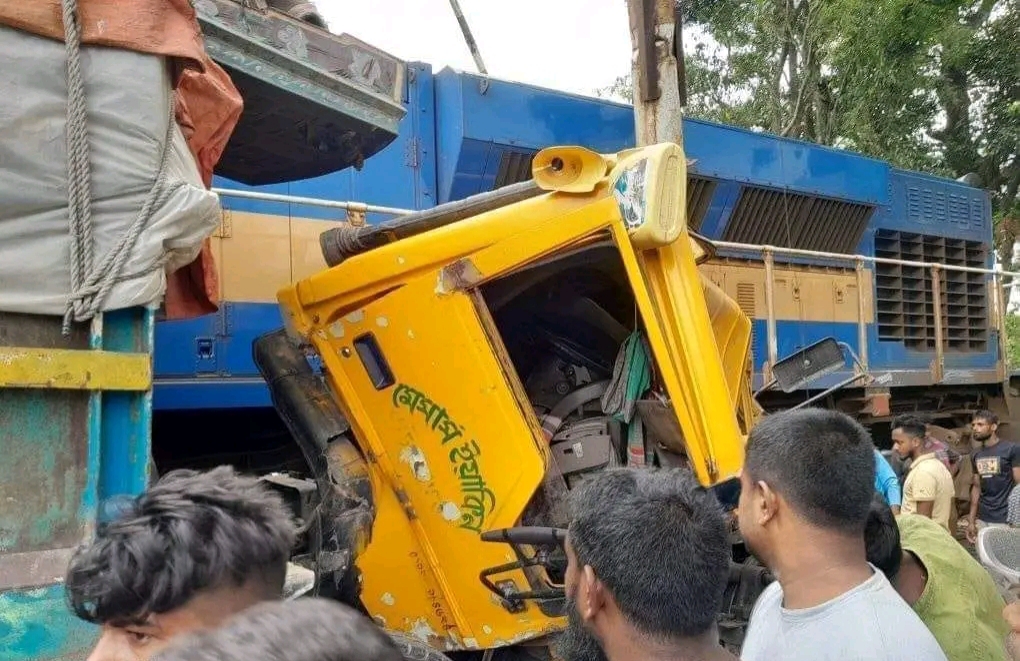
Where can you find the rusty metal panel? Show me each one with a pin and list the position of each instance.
(43, 459)
(74, 369)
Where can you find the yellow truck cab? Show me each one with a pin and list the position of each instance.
(480, 358)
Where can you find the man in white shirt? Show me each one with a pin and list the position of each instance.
(806, 490)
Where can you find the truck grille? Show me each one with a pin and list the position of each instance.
(904, 303)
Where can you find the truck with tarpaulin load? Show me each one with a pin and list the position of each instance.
(107, 151)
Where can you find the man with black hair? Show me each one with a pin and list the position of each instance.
(928, 489)
(996, 470)
(950, 591)
(185, 555)
(308, 629)
(806, 489)
(647, 562)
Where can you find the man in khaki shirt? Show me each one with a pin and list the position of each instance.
(928, 489)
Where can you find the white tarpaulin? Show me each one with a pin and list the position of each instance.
(129, 102)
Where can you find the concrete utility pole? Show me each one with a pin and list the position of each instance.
(657, 70)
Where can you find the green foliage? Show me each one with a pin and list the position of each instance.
(925, 84)
(1013, 340)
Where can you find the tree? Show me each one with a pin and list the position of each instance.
(925, 84)
(1013, 340)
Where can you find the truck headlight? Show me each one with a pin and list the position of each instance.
(650, 188)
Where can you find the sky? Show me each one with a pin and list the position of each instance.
(571, 45)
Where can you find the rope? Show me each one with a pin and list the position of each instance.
(79, 175)
(90, 286)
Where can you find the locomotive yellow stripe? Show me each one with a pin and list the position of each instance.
(801, 293)
(257, 254)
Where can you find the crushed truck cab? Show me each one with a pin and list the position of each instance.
(468, 356)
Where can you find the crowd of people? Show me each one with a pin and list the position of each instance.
(932, 485)
(194, 568)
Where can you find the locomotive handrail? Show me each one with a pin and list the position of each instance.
(799, 252)
(356, 207)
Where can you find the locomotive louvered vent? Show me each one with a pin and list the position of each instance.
(746, 298)
(699, 196)
(778, 218)
(746, 302)
(515, 167)
(904, 303)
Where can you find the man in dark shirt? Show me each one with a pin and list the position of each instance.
(996, 470)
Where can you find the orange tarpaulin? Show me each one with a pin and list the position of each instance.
(208, 105)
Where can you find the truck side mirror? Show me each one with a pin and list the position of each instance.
(826, 356)
(810, 363)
